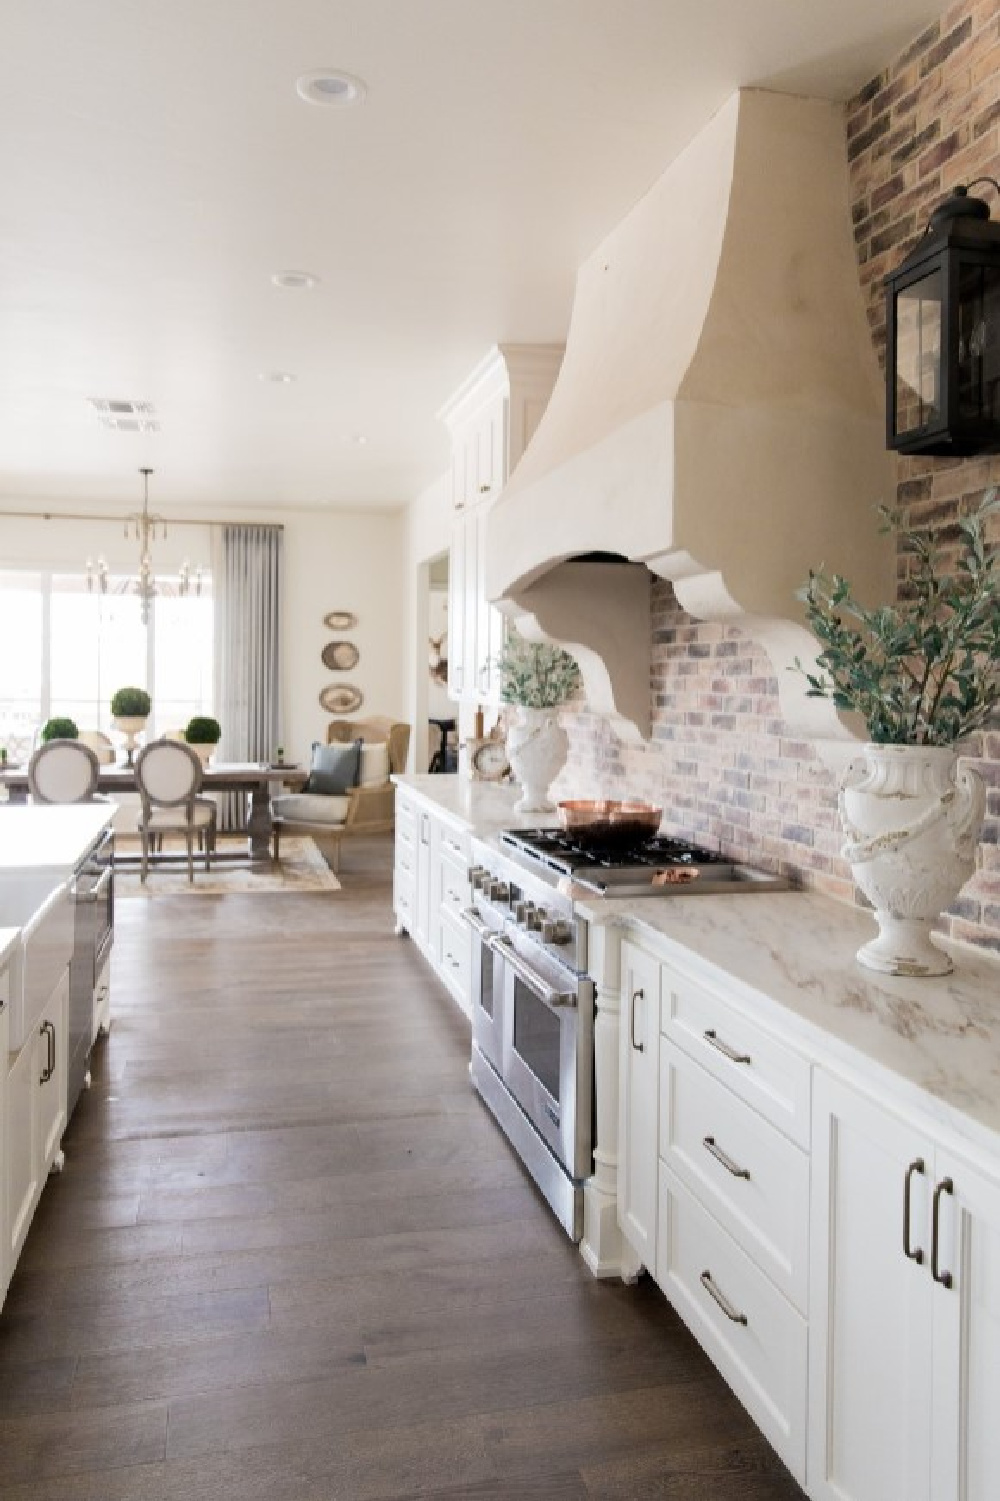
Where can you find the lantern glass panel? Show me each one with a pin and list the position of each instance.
(918, 354)
(979, 343)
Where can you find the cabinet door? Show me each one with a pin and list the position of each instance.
(51, 1058)
(966, 1399)
(424, 894)
(23, 1173)
(870, 1303)
(638, 1088)
(490, 444)
(490, 624)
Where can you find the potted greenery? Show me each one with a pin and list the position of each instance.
(130, 709)
(923, 674)
(538, 678)
(59, 729)
(203, 734)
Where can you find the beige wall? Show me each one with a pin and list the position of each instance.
(347, 560)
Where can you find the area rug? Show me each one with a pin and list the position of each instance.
(301, 868)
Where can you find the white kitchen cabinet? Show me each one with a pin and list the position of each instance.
(34, 1117)
(905, 1309)
(431, 890)
(638, 1101)
(491, 418)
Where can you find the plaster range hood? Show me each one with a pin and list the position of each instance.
(718, 419)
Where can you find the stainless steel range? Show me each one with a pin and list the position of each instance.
(532, 997)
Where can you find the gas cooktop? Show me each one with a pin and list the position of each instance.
(648, 867)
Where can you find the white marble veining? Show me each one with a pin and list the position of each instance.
(49, 836)
(931, 1043)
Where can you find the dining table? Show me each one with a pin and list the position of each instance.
(255, 778)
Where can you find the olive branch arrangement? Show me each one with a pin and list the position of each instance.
(925, 671)
(536, 675)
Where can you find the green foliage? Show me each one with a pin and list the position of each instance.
(131, 703)
(203, 730)
(535, 674)
(925, 671)
(60, 729)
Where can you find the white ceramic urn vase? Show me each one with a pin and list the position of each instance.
(537, 747)
(131, 726)
(912, 818)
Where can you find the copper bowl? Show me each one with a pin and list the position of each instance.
(604, 821)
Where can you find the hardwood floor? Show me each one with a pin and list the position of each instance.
(291, 1257)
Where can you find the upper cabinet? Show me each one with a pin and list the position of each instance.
(491, 418)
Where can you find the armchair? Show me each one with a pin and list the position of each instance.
(368, 808)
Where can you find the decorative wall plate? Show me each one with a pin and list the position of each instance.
(340, 656)
(341, 698)
(340, 620)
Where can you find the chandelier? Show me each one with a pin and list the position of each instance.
(142, 527)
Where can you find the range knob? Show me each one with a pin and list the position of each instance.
(478, 877)
(521, 910)
(554, 930)
(533, 918)
(498, 891)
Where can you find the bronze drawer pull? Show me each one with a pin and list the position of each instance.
(640, 1047)
(946, 1186)
(712, 1037)
(727, 1162)
(731, 1313)
(913, 1252)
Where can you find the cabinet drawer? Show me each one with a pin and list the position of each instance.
(406, 823)
(456, 894)
(456, 959)
(403, 889)
(753, 1334)
(44, 952)
(454, 844)
(729, 1044)
(753, 1179)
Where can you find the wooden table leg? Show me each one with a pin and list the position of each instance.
(259, 824)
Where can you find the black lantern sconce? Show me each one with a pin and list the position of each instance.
(942, 367)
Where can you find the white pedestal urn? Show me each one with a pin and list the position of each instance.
(131, 726)
(537, 747)
(912, 816)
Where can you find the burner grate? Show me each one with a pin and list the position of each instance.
(558, 848)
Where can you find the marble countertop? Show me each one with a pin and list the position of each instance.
(49, 836)
(484, 807)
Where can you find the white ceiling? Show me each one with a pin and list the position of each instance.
(158, 166)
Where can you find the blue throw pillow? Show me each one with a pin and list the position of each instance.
(335, 768)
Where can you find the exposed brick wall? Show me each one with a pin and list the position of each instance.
(720, 758)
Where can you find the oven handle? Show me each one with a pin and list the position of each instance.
(556, 1000)
(97, 892)
(475, 922)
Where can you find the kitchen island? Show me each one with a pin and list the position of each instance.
(56, 926)
(804, 1155)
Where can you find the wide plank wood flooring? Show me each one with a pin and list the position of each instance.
(291, 1256)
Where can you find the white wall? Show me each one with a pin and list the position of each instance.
(427, 534)
(343, 560)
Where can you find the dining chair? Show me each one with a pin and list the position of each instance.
(63, 771)
(168, 775)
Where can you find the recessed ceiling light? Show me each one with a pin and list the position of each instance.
(277, 377)
(295, 281)
(328, 86)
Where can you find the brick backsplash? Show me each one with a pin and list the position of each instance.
(720, 759)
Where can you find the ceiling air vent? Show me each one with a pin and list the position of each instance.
(125, 416)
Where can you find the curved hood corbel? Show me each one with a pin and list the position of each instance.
(719, 415)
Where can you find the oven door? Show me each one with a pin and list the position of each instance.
(487, 1000)
(548, 1060)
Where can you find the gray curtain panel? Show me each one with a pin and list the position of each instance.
(248, 581)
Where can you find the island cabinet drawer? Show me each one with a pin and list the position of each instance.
(406, 824)
(754, 1180)
(727, 1041)
(751, 1332)
(455, 891)
(454, 844)
(456, 958)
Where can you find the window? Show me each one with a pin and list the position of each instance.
(67, 650)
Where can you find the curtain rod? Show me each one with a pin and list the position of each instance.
(124, 516)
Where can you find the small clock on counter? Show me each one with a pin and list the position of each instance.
(488, 758)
